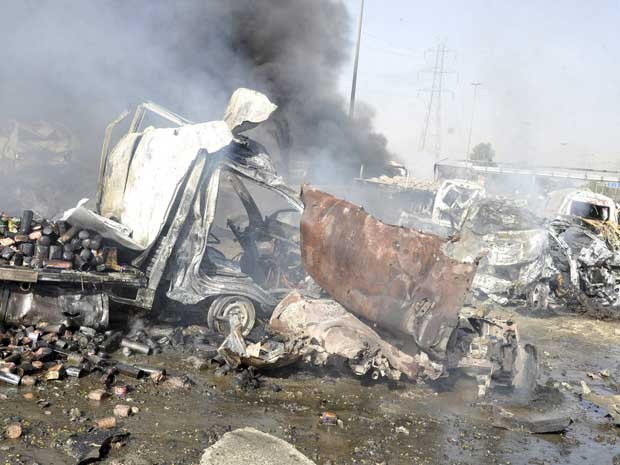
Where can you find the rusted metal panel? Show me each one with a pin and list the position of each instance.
(397, 277)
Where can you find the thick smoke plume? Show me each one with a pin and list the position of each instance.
(80, 63)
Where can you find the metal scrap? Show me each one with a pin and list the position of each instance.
(268, 354)
(322, 330)
(610, 403)
(407, 283)
(399, 278)
(586, 264)
(514, 245)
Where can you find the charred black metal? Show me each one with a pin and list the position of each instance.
(136, 346)
(10, 378)
(26, 222)
(129, 370)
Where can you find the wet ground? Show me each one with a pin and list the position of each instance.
(383, 423)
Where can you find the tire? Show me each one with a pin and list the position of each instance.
(225, 305)
(538, 297)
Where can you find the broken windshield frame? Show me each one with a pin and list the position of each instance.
(589, 210)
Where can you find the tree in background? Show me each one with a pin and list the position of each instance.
(482, 152)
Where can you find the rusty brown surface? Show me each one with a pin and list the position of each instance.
(397, 277)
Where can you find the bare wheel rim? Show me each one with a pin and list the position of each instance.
(225, 307)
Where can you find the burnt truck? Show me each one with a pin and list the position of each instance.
(184, 206)
(179, 202)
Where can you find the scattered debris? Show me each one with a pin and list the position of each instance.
(94, 445)
(532, 422)
(106, 423)
(321, 330)
(249, 446)
(30, 354)
(402, 430)
(608, 402)
(585, 254)
(513, 243)
(406, 283)
(122, 410)
(13, 431)
(398, 278)
(328, 418)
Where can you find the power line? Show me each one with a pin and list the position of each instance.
(357, 57)
(435, 99)
(471, 122)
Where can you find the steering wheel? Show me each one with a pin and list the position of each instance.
(216, 240)
(275, 214)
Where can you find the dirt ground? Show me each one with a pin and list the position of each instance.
(382, 423)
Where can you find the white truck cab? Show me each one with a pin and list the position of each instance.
(582, 203)
(452, 201)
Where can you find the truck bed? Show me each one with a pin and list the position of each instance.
(26, 275)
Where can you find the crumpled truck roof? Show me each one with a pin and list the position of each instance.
(143, 173)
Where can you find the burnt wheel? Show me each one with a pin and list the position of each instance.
(538, 297)
(225, 306)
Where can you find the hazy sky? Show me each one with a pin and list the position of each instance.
(550, 74)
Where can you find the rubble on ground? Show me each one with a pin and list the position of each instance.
(46, 352)
(513, 247)
(586, 257)
(406, 284)
(249, 446)
(610, 403)
(537, 423)
(321, 330)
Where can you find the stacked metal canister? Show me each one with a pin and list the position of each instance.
(54, 245)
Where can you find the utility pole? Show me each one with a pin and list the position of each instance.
(471, 122)
(435, 99)
(357, 58)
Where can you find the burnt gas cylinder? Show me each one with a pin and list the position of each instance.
(26, 222)
(17, 260)
(47, 230)
(67, 255)
(95, 242)
(99, 259)
(41, 251)
(85, 254)
(62, 227)
(10, 378)
(59, 264)
(19, 238)
(27, 249)
(14, 225)
(81, 264)
(74, 372)
(68, 247)
(76, 243)
(83, 234)
(55, 252)
(44, 241)
(86, 243)
(68, 235)
(7, 253)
